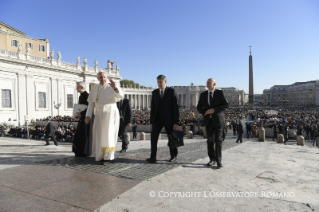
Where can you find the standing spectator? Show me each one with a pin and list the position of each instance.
(134, 128)
(315, 136)
(285, 129)
(49, 132)
(248, 128)
(274, 132)
(240, 132)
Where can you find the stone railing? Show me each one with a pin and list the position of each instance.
(134, 89)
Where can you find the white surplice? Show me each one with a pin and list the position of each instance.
(102, 100)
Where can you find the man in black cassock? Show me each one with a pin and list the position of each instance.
(81, 143)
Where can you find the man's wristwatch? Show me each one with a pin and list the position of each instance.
(115, 89)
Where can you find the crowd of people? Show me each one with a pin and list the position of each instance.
(63, 132)
(301, 119)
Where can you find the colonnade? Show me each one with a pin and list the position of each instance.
(139, 101)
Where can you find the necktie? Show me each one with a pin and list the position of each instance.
(210, 98)
(161, 93)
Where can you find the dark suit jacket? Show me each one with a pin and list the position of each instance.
(49, 129)
(125, 110)
(219, 103)
(169, 111)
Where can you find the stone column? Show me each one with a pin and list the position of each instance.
(135, 101)
(30, 96)
(21, 103)
(182, 100)
(53, 95)
(196, 99)
(251, 84)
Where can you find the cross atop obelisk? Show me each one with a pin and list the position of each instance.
(251, 82)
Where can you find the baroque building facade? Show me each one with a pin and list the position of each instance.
(299, 93)
(35, 86)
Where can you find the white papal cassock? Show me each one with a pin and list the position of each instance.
(102, 101)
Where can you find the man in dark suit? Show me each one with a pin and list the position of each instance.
(164, 113)
(125, 111)
(49, 132)
(211, 105)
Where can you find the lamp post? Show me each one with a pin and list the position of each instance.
(57, 106)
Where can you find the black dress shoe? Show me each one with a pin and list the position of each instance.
(109, 161)
(56, 143)
(151, 160)
(46, 144)
(172, 159)
(123, 150)
(219, 165)
(211, 163)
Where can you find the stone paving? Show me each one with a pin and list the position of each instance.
(34, 177)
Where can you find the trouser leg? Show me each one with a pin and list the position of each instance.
(156, 129)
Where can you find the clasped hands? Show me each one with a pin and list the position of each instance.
(210, 111)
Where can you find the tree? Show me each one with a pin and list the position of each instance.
(131, 83)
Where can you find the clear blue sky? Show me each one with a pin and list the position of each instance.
(186, 40)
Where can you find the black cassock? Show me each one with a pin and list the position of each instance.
(82, 145)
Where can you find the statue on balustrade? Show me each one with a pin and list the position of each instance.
(59, 55)
(78, 60)
(52, 54)
(96, 64)
(28, 48)
(110, 64)
(19, 47)
(117, 68)
(85, 61)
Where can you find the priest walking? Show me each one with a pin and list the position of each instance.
(81, 144)
(102, 100)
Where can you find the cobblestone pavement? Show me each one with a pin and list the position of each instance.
(132, 164)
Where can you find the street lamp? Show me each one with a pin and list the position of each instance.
(57, 106)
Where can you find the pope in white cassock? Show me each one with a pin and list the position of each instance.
(102, 100)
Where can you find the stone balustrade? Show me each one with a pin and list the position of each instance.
(51, 62)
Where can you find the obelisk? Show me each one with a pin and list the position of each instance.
(251, 82)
